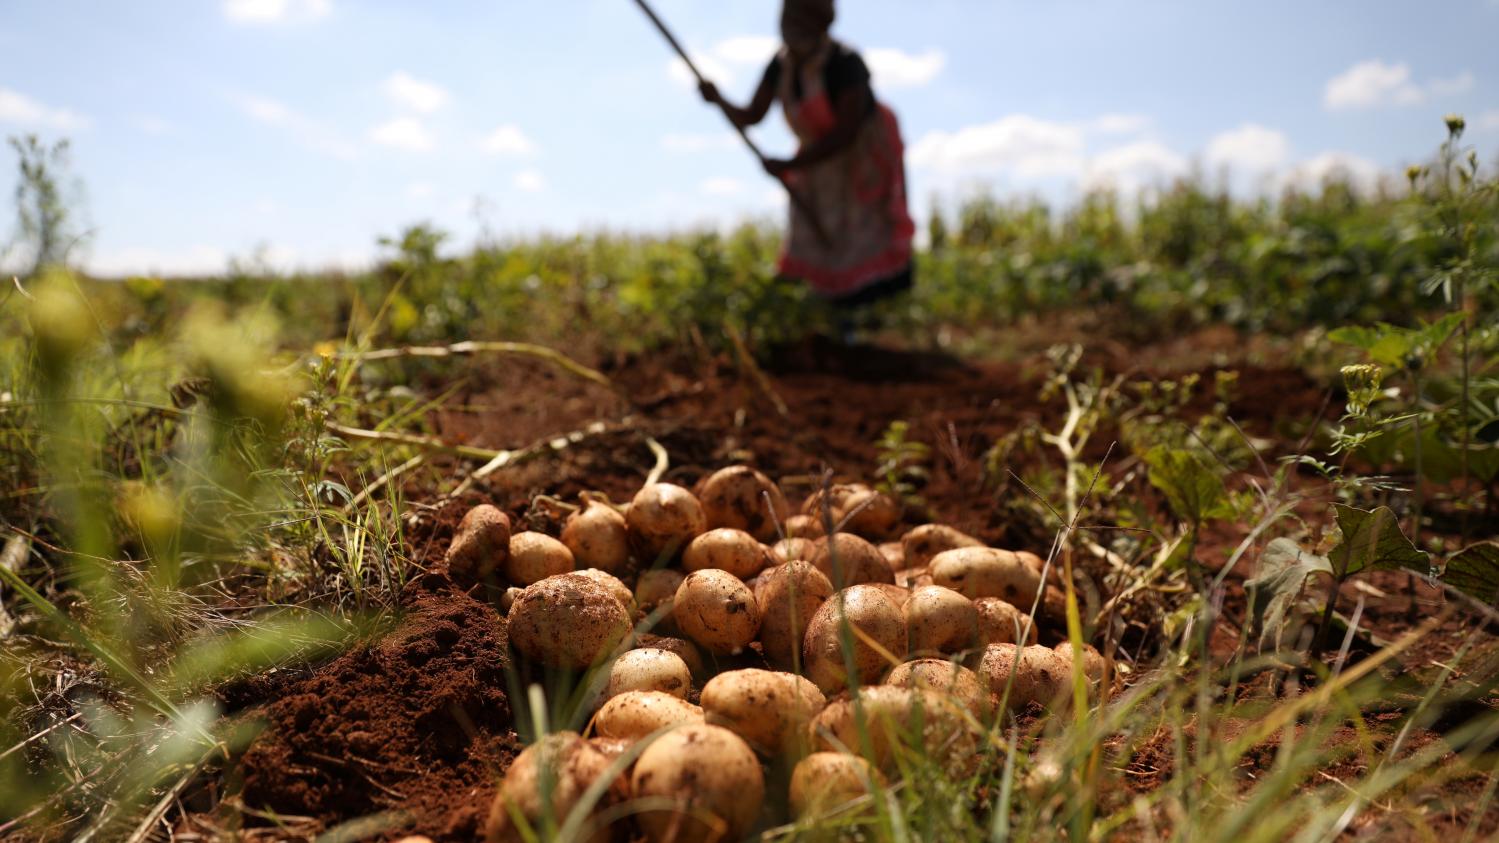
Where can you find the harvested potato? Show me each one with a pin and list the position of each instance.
(769, 709)
(894, 555)
(508, 599)
(597, 537)
(1002, 623)
(662, 519)
(684, 650)
(857, 509)
(793, 547)
(716, 611)
(634, 714)
(788, 596)
(978, 572)
(712, 779)
(726, 549)
(913, 578)
(563, 765)
(898, 594)
(480, 545)
(824, 781)
(804, 527)
(567, 621)
(849, 560)
(616, 587)
(613, 748)
(924, 542)
(655, 590)
(940, 621)
(863, 608)
(896, 716)
(649, 669)
(1040, 675)
(1094, 665)
(946, 678)
(536, 556)
(744, 499)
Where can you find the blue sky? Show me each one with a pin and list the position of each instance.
(303, 129)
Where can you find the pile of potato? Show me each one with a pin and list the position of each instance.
(927, 630)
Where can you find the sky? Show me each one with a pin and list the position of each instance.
(297, 132)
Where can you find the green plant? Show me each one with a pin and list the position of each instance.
(45, 202)
(902, 464)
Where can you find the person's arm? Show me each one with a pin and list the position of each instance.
(750, 114)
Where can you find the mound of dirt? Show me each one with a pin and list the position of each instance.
(416, 723)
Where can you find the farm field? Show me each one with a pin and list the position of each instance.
(289, 558)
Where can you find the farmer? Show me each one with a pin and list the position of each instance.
(849, 167)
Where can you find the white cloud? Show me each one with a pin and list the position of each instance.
(1119, 124)
(689, 142)
(310, 133)
(16, 107)
(530, 181)
(1251, 149)
(752, 50)
(1024, 145)
(892, 68)
(1135, 166)
(265, 109)
(721, 187)
(413, 93)
(1370, 84)
(403, 133)
(197, 260)
(276, 11)
(508, 141)
(1314, 172)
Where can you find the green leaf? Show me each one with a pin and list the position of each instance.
(1283, 570)
(1383, 343)
(1373, 541)
(1474, 570)
(1193, 490)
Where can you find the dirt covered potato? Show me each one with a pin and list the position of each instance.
(567, 621)
(726, 549)
(897, 716)
(1094, 665)
(940, 621)
(868, 610)
(661, 520)
(947, 678)
(597, 537)
(744, 499)
(922, 543)
(824, 781)
(858, 509)
(649, 669)
(634, 714)
(684, 649)
(655, 589)
(767, 708)
(563, 764)
(712, 780)
(1040, 675)
(894, 555)
(804, 527)
(978, 572)
(849, 560)
(788, 596)
(717, 611)
(1002, 623)
(614, 584)
(534, 557)
(792, 548)
(480, 546)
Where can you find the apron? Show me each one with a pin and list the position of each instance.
(859, 195)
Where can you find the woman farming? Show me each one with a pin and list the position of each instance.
(849, 168)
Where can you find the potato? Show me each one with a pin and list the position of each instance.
(508, 599)
(536, 556)
(662, 519)
(866, 609)
(824, 781)
(737, 497)
(788, 597)
(946, 678)
(649, 669)
(716, 611)
(897, 594)
(895, 717)
(634, 714)
(612, 749)
(1094, 665)
(769, 709)
(924, 542)
(655, 589)
(567, 621)
(480, 545)
(1002, 623)
(913, 578)
(563, 765)
(615, 586)
(857, 509)
(849, 560)
(726, 549)
(940, 621)
(684, 650)
(978, 572)
(794, 547)
(893, 554)
(1040, 675)
(804, 526)
(597, 537)
(712, 779)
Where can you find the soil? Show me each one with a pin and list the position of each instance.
(418, 723)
